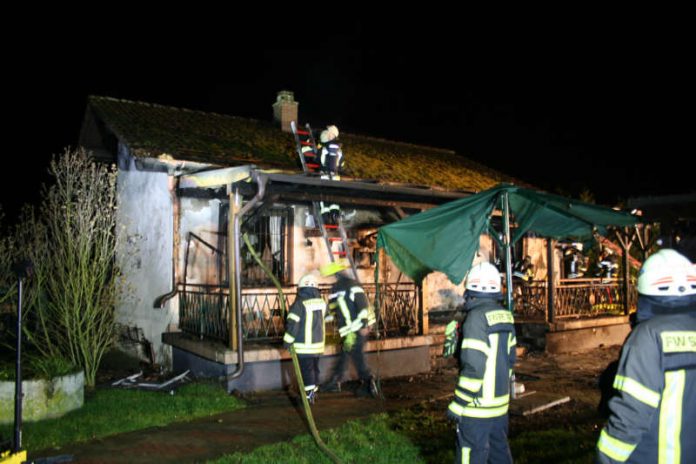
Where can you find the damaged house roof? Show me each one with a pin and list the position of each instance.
(163, 132)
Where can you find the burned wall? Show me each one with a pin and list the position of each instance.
(145, 252)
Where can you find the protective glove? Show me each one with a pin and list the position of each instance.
(451, 339)
(349, 341)
(287, 346)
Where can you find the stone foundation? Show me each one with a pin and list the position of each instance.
(270, 367)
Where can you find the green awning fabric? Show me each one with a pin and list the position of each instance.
(446, 238)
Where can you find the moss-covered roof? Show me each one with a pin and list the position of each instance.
(155, 131)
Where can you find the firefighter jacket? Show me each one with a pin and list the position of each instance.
(331, 158)
(486, 359)
(352, 308)
(304, 326)
(523, 270)
(653, 415)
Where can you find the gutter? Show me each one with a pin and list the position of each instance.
(363, 187)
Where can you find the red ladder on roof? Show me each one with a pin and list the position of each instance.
(306, 147)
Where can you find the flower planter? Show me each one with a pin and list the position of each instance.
(43, 399)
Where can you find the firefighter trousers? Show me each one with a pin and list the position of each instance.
(481, 441)
(357, 354)
(309, 368)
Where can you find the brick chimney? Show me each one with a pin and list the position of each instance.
(285, 109)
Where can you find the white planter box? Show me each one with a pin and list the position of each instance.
(43, 399)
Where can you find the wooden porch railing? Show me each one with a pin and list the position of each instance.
(573, 298)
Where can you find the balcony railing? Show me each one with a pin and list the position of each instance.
(204, 311)
(572, 298)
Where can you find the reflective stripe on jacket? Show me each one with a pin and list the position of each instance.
(486, 359)
(653, 415)
(352, 308)
(304, 326)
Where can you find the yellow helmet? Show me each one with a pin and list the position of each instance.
(334, 268)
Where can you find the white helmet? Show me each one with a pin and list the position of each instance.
(329, 134)
(483, 278)
(308, 280)
(333, 131)
(667, 273)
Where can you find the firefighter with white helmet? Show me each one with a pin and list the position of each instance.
(487, 355)
(331, 154)
(304, 328)
(355, 316)
(653, 415)
(608, 264)
(331, 158)
(574, 261)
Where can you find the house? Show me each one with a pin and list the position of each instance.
(192, 183)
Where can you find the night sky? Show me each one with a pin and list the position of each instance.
(565, 113)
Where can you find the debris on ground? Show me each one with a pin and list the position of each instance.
(146, 382)
(534, 402)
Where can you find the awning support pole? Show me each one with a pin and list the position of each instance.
(508, 254)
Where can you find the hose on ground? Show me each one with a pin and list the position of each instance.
(296, 364)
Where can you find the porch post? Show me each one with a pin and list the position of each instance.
(422, 309)
(626, 279)
(550, 284)
(625, 240)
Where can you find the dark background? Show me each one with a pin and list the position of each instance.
(602, 110)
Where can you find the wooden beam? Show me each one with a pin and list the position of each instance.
(551, 288)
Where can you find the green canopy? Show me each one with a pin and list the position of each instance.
(446, 238)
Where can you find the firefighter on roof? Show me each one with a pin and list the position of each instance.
(331, 164)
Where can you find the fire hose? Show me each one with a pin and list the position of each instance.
(296, 364)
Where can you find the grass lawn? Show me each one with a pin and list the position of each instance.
(559, 445)
(419, 436)
(366, 441)
(110, 411)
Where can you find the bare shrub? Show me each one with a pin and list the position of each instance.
(72, 243)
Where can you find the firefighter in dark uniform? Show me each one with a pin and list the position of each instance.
(331, 157)
(355, 316)
(608, 264)
(304, 328)
(487, 355)
(653, 414)
(524, 270)
(574, 261)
